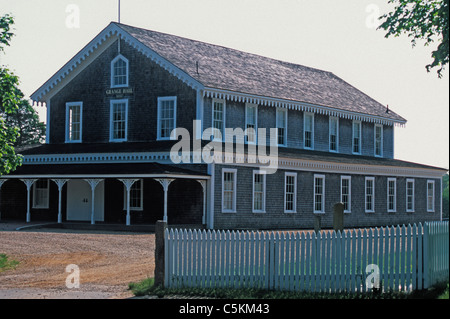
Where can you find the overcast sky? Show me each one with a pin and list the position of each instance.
(333, 35)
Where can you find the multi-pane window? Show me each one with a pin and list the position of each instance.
(73, 121)
(119, 72)
(136, 196)
(356, 137)
(41, 194)
(229, 190)
(410, 195)
(391, 194)
(167, 112)
(281, 126)
(378, 140)
(334, 135)
(308, 130)
(218, 119)
(430, 196)
(346, 185)
(370, 194)
(319, 193)
(290, 192)
(119, 118)
(259, 192)
(251, 126)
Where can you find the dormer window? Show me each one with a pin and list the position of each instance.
(119, 72)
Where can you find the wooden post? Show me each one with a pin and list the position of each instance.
(338, 217)
(160, 230)
(93, 183)
(317, 223)
(60, 183)
(128, 183)
(28, 183)
(165, 182)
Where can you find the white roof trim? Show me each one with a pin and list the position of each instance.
(111, 30)
(224, 158)
(299, 106)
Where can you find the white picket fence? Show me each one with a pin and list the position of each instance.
(405, 257)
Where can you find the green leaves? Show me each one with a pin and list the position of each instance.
(5, 30)
(10, 99)
(421, 20)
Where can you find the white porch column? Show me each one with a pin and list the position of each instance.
(28, 184)
(60, 183)
(128, 183)
(2, 181)
(93, 183)
(203, 183)
(165, 182)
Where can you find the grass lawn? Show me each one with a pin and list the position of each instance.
(6, 263)
(146, 287)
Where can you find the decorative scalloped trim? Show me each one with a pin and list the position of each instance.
(112, 30)
(298, 106)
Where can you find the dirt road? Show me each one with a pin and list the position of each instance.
(107, 263)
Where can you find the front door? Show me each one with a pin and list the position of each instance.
(79, 201)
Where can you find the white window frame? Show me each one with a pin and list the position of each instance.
(173, 134)
(69, 124)
(331, 119)
(111, 124)
(263, 204)
(359, 138)
(322, 211)
(373, 195)
(214, 129)
(410, 180)
(349, 178)
(285, 118)
(141, 205)
(120, 57)
(305, 115)
(375, 140)
(433, 195)
(247, 122)
(294, 201)
(46, 191)
(394, 209)
(234, 171)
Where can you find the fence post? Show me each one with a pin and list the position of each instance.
(160, 230)
(338, 217)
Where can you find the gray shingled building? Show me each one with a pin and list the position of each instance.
(112, 108)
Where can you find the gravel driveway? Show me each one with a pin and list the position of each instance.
(107, 263)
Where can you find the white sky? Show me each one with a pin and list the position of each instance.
(332, 35)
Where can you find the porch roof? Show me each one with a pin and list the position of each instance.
(125, 170)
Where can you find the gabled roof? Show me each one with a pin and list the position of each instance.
(227, 73)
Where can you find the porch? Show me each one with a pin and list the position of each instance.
(105, 194)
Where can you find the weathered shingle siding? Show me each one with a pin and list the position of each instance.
(148, 81)
(388, 141)
(235, 118)
(275, 218)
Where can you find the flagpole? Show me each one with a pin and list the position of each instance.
(119, 11)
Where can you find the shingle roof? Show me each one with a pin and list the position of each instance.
(232, 70)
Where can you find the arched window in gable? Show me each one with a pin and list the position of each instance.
(119, 72)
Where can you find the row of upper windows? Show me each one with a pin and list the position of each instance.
(166, 123)
(251, 127)
(118, 120)
(229, 193)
